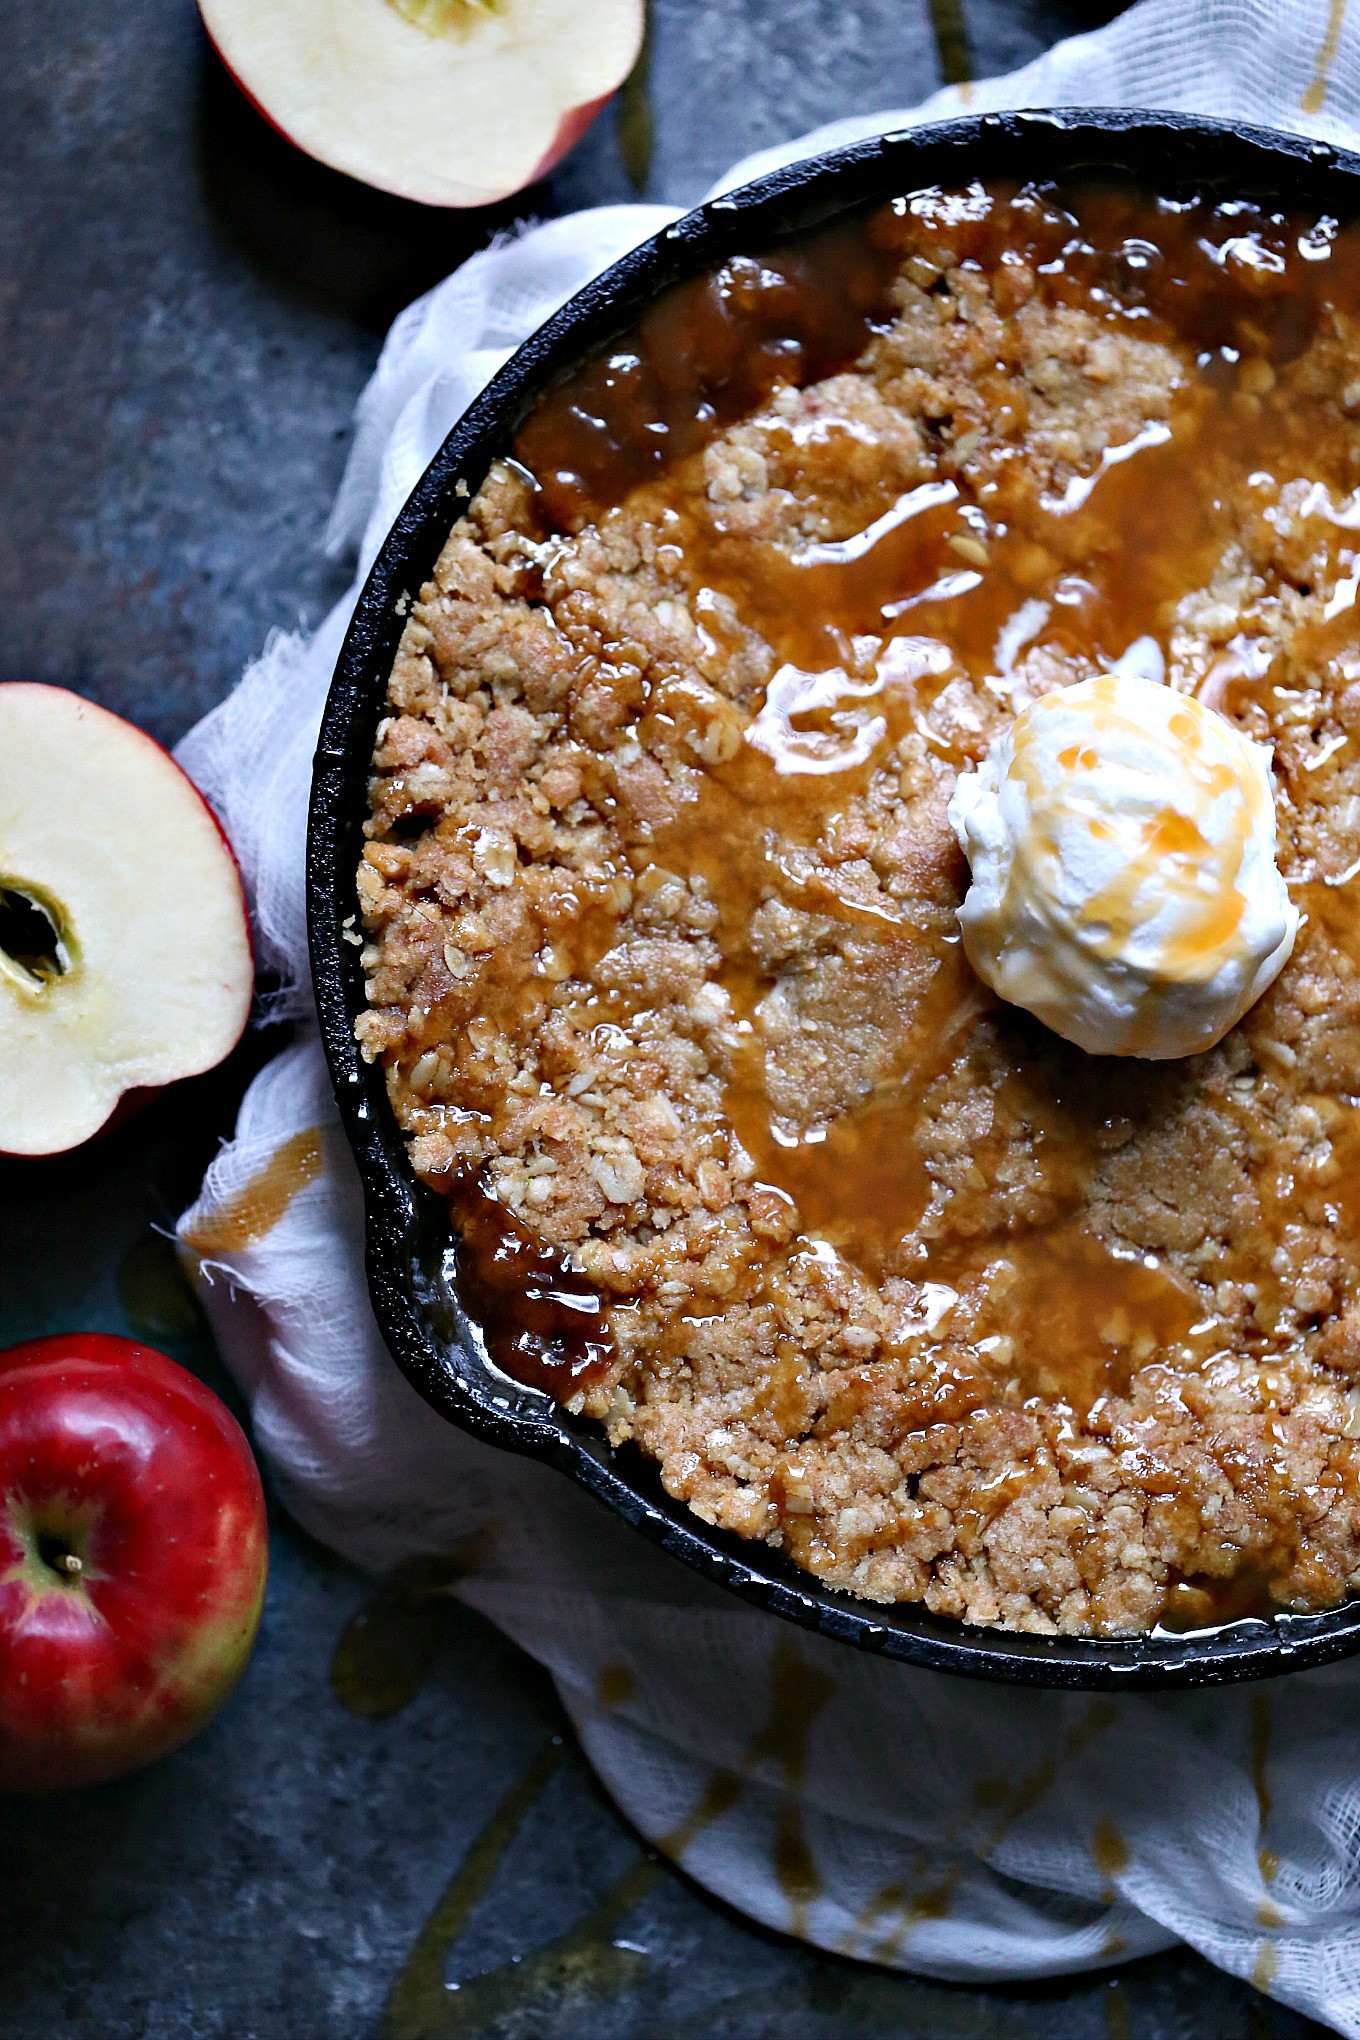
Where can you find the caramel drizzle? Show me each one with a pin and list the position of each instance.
(868, 628)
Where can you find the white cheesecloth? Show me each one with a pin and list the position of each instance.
(958, 1830)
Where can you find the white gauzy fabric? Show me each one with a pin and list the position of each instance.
(962, 1831)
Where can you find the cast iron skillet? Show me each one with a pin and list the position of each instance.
(407, 1230)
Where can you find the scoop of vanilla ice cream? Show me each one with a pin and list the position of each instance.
(1122, 844)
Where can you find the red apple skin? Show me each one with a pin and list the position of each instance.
(135, 1101)
(570, 129)
(112, 1453)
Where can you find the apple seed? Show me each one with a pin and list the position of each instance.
(446, 17)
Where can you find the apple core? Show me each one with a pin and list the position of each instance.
(446, 17)
(35, 945)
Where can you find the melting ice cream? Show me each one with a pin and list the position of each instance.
(1124, 886)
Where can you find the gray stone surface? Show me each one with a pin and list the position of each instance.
(187, 312)
(188, 308)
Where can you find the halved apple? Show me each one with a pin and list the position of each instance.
(449, 102)
(125, 955)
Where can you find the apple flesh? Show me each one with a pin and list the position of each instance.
(125, 956)
(133, 1553)
(448, 102)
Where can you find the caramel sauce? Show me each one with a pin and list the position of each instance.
(708, 353)
(1118, 2017)
(615, 1685)
(257, 1208)
(542, 1323)
(799, 1692)
(1267, 1962)
(719, 1796)
(1082, 1315)
(858, 1182)
(1109, 1848)
(942, 581)
(1207, 1602)
(1262, 1730)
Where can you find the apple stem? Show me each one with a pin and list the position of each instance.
(57, 1556)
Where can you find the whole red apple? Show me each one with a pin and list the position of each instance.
(133, 1553)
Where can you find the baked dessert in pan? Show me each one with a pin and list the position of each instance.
(664, 964)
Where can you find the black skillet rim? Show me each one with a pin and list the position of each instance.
(1168, 152)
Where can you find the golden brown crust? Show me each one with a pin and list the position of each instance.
(563, 1007)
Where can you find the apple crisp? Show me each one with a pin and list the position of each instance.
(660, 903)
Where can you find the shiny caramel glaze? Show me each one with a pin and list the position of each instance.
(542, 1324)
(708, 353)
(922, 588)
(907, 621)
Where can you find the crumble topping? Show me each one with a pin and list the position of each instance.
(659, 900)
